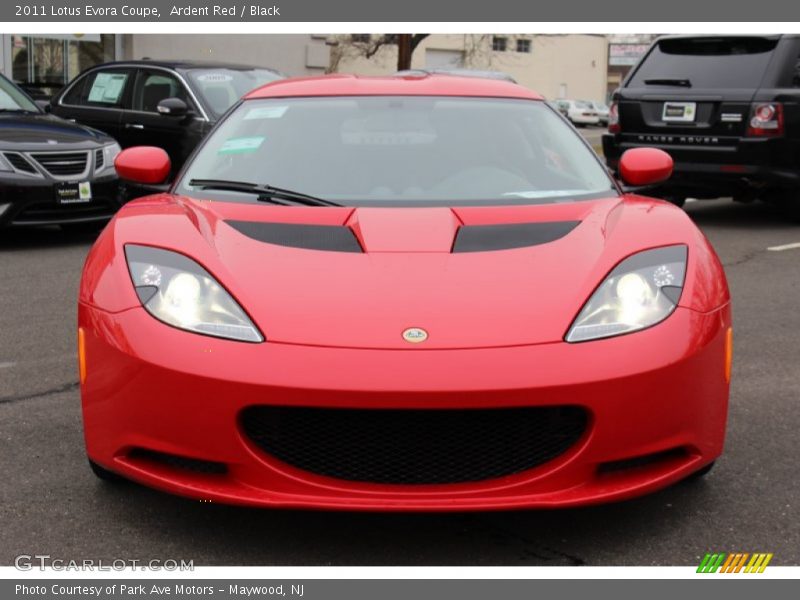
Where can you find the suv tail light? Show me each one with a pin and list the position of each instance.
(766, 120)
(613, 118)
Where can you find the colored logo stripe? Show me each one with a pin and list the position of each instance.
(734, 562)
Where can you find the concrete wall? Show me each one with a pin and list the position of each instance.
(294, 54)
(571, 66)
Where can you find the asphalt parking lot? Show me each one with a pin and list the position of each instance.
(50, 503)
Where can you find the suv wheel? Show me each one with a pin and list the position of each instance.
(787, 201)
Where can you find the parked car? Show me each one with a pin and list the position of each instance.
(169, 104)
(52, 172)
(579, 112)
(402, 293)
(725, 107)
(602, 111)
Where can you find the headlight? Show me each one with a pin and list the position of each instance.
(641, 291)
(178, 291)
(110, 152)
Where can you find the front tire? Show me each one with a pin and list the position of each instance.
(678, 201)
(104, 474)
(699, 474)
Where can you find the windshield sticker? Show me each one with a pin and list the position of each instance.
(266, 112)
(214, 77)
(241, 145)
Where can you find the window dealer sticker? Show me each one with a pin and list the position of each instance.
(107, 87)
(214, 77)
(241, 145)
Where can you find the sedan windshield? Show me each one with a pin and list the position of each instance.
(12, 99)
(221, 88)
(401, 150)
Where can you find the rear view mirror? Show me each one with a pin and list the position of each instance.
(44, 105)
(645, 166)
(143, 164)
(172, 107)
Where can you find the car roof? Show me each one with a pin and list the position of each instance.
(182, 64)
(426, 84)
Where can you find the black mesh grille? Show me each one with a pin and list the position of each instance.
(19, 162)
(414, 446)
(62, 163)
(99, 159)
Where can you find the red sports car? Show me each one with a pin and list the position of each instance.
(402, 293)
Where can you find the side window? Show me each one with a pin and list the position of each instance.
(154, 86)
(102, 88)
(75, 93)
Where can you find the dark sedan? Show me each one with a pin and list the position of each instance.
(52, 171)
(169, 104)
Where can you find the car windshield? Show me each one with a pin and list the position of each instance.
(401, 150)
(221, 88)
(12, 99)
(583, 104)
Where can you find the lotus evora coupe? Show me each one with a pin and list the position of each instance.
(420, 292)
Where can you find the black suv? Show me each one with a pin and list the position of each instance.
(170, 104)
(727, 108)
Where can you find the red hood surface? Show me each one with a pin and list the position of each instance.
(407, 275)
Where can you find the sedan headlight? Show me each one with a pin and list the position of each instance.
(641, 291)
(110, 152)
(178, 291)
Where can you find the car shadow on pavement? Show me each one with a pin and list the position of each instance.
(23, 238)
(212, 534)
(727, 213)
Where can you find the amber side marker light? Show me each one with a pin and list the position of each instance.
(82, 355)
(728, 354)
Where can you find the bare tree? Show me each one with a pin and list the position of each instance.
(367, 46)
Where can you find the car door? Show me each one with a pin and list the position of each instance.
(97, 99)
(177, 135)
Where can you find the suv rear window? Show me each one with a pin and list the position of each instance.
(718, 62)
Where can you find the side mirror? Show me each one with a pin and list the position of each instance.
(44, 105)
(143, 164)
(172, 107)
(645, 166)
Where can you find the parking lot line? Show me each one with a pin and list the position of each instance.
(784, 247)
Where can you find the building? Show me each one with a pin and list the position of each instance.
(624, 51)
(557, 66)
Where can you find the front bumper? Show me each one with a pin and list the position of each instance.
(32, 201)
(659, 393)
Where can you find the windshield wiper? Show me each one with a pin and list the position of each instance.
(265, 193)
(668, 81)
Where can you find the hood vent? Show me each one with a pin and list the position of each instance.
(482, 238)
(333, 238)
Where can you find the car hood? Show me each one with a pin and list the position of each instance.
(42, 131)
(408, 268)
